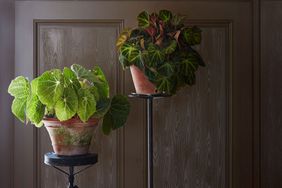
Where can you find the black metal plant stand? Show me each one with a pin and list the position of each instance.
(149, 105)
(57, 161)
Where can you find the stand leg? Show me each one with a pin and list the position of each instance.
(71, 178)
(150, 174)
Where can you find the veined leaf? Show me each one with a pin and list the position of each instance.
(192, 35)
(70, 79)
(102, 86)
(123, 61)
(123, 37)
(143, 20)
(129, 55)
(94, 91)
(171, 47)
(82, 73)
(102, 108)
(86, 104)
(164, 84)
(165, 15)
(18, 108)
(155, 54)
(117, 114)
(130, 52)
(34, 84)
(166, 70)
(189, 65)
(151, 75)
(34, 109)
(19, 88)
(66, 106)
(177, 20)
(50, 87)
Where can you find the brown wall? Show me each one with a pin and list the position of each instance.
(6, 74)
(271, 94)
(267, 97)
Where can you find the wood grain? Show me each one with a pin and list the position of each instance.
(191, 127)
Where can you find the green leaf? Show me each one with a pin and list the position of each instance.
(188, 68)
(19, 88)
(165, 15)
(198, 57)
(189, 65)
(66, 106)
(34, 109)
(164, 84)
(192, 35)
(123, 37)
(151, 75)
(130, 53)
(107, 124)
(102, 86)
(102, 108)
(123, 61)
(94, 91)
(117, 114)
(143, 20)
(166, 70)
(71, 79)
(177, 20)
(190, 79)
(171, 47)
(34, 84)
(86, 104)
(50, 87)
(18, 108)
(38, 125)
(155, 54)
(82, 73)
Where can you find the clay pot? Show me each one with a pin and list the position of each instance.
(71, 137)
(141, 83)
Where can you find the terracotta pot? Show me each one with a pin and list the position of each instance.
(141, 83)
(71, 137)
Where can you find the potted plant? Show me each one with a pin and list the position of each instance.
(70, 103)
(160, 52)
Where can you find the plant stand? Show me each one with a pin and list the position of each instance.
(149, 106)
(56, 161)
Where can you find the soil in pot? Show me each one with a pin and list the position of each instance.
(71, 137)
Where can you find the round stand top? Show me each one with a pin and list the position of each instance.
(149, 96)
(78, 160)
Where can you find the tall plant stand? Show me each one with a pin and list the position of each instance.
(149, 111)
(71, 162)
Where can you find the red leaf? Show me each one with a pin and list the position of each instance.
(151, 31)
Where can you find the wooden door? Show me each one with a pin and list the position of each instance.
(203, 135)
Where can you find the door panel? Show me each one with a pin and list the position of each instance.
(191, 137)
(89, 43)
(203, 135)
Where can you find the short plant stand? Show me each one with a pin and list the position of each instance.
(71, 162)
(149, 105)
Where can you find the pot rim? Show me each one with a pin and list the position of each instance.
(72, 120)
